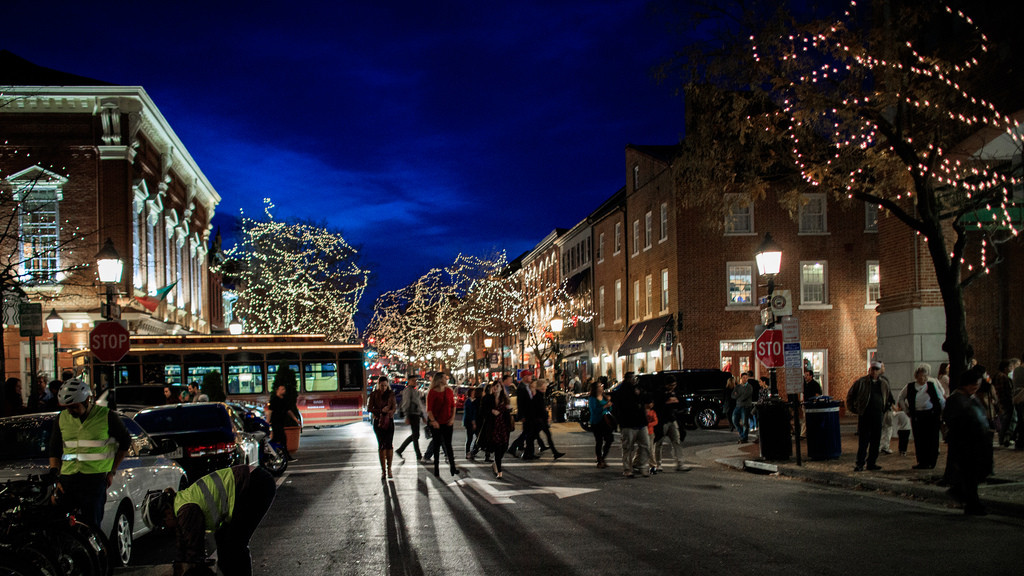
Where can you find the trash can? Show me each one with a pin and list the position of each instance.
(773, 429)
(292, 434)
(558, 407)
(823, 438)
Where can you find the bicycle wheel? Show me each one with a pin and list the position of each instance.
(76, 555)
(98, 544)
(30, 550)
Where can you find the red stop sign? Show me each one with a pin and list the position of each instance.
(768, 348)
(109, 341)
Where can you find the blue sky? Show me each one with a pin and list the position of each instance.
(419, 129)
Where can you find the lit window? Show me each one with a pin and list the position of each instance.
(874, 287)
(740, 282)
(618, 237)
(37, 194)
(813, 218)
(618, 300)
(813, 277)
(664, 289)
(649, 285)
(636, 237)
(600, 247)
(648, 225)
(636, 299)
(740, 217)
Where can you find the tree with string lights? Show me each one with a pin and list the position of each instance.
(294, 277)
(894, 105)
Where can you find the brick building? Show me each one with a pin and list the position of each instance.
(82, 161)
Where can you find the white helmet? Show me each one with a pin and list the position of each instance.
(73, 391)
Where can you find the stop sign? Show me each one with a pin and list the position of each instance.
(768, 348)
(109, 341)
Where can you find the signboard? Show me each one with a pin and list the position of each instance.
(782, 303)
(768, 348)
(30, 319)
(108, 341)
(794, 368)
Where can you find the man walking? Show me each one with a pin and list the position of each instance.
(867, 399)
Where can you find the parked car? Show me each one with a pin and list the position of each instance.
(23, 451)
(702, 393)
(211, 435)
(131, 399)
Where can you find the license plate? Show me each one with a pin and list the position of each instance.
(176, 453)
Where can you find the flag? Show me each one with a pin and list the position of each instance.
(151, 302)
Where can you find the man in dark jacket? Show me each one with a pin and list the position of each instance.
(868, 398)
(628, 408)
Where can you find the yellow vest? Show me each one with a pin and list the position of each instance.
(215, 496)
(88, 447)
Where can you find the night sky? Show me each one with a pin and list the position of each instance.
(418, 129)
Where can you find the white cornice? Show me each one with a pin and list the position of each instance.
(87, 100)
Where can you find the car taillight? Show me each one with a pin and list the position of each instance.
(210, 449)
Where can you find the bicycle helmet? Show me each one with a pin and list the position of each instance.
(153, 506)
(73, 391)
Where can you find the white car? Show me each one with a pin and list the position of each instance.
(23, 451)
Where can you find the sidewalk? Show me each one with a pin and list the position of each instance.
(1002, 494)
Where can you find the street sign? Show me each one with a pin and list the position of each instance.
(30, 319)
(109, 341)
(782, 303)
(794, 368)
(768, 348)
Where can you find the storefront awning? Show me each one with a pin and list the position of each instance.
(644, 336)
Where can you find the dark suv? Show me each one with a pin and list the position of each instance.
(702, 393)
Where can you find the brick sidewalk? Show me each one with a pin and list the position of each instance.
(1003, 493)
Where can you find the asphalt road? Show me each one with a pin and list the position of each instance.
(334, 515)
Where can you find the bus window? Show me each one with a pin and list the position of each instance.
(351, 375)
(272, 372)
(172, 374)
(245, 379)
(195, 373)
(320, 377)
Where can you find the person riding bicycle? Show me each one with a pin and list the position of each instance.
(230, 502)
(86, 447)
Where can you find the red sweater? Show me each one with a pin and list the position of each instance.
(441, 405)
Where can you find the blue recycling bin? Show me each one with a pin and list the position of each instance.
(823, 438)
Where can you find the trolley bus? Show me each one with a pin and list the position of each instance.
(330, 379)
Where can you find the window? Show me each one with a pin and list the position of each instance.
(813, 283)
(874, 290)
(600, 306)
(817, 360)
(600, 247)
(636, 237)
(812, 214)
(664, 222)
(740, 282)
(649, 284)
(636, 177)
(664, 289)
(618, 300)
(648, 229)
(245, 379)
(740, 219)
(870, 217)
(320, 376)
(37, 217)
(636, 299)
(618, 238)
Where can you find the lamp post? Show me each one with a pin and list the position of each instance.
(109, 267)
(557, 323)
(769, 261)
(523, 333)
(55, 324)
(235, 327)
(465, 359)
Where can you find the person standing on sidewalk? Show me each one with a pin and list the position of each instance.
(970, 441)
(666, 404)
(628, 407)
(867, 399)
(743, 395)
(922, 400)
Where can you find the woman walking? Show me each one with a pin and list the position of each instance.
(469, 413)
(382, 406)
(600, 416)
(498, 425)
(441, 417)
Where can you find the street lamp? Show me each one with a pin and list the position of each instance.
(109, 266)
(557, 323)
(523, 333)
(488, 342)
(769, 262)
(55, 324)
(465, 359)
(235, 327)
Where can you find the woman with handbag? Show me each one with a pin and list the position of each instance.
(600, 421)
(498, 425)
(382, 406)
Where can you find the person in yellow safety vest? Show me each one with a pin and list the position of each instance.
(230, 502)
(86, 447)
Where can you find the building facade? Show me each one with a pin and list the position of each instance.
(83, 161)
